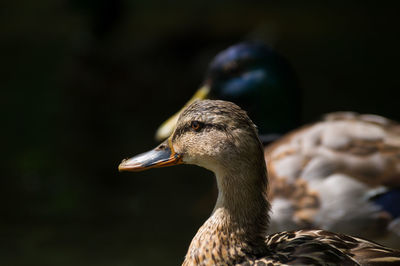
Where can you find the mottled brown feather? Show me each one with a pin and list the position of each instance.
(365, 148)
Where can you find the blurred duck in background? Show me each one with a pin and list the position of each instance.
(257, 78)
(341, 174)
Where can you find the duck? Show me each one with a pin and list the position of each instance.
(219, 136)
(358, 152)
(256, 77)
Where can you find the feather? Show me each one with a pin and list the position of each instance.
(349, 164)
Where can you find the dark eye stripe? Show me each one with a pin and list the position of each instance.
(216, 126)
(203, 126)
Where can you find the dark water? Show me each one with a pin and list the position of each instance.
(86, 83)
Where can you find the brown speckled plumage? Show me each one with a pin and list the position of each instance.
(226, 143)
(357, 154)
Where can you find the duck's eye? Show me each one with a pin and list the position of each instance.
(196, 125)
(232, 69)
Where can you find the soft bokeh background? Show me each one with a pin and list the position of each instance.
(86, 83)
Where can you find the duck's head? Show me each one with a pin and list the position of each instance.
(256, 78)
(213, 134)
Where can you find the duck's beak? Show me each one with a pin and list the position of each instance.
(166, 128)
(162, 156)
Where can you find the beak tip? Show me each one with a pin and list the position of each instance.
(122, 166)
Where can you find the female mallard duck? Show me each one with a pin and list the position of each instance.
(358, 153)
(219, 136)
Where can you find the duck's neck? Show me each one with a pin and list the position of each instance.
(237, 227)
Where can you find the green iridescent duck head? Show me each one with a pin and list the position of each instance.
(256, 78)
